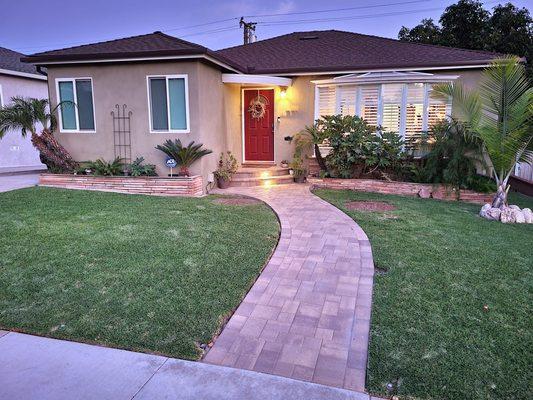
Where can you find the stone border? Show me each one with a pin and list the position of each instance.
(191, 186)
(401, 188)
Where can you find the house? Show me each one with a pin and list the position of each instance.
(19, 79)
(248, 99)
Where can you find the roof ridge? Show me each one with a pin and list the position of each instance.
(110, 41)
(420, 44)
(12, 51)
(166, 35)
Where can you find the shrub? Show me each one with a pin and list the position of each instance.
(107, 168)
(185, 156)
(453, 156)
(358, 150)
(136, 168)
(227, 166)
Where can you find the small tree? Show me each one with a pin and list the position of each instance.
(500, 113)
(311, 137)
(25, 114)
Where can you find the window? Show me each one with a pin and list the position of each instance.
(369, 97)
(77, 113)
(414, 109)
(405, 108)
(169, 103)
(1, 97)
(325, 101)
(391, 99)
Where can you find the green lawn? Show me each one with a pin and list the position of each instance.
(443, 264)
(144, 273)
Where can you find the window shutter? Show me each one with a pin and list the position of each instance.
(347, 99)
(438, 108)
(414, 110)
(392, 107)
(369, 104)
(326, 101)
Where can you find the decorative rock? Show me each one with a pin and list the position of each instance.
(508, 215)
(514, 207)
(493, 214)
(519, 217)
(482, 212)
(424, 193)
(528, 215)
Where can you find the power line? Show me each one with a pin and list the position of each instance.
(337, 9)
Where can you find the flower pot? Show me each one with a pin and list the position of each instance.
(284, 165)
(291, 172)
(223, 183)
(299, 178)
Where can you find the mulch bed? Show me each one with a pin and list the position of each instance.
(369, 206)
(236, 201)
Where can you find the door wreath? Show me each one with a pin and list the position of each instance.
(258, 106)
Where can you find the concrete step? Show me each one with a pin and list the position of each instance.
(248, 172)
(260, 180)
(258, 164)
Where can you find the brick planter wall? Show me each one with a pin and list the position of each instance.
(400, 188)
(191, 186)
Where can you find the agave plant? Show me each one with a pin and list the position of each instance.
(25, 114)
(184, 156)
(500, 113)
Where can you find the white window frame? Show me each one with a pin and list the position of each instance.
(1, 97)
(73, 80)
(403, 103)
(185, 77)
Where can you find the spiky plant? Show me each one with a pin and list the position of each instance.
(500, 113)
(185, 156)
(25, 114)
(310, 138)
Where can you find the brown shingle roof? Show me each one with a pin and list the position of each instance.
(155, 44)
(10, 60)
(319, 51)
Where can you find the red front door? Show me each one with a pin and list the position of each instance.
(258, 125)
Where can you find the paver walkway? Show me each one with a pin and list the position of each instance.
(307, 316)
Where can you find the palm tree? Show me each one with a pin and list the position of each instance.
(500, 113)
(25, 114)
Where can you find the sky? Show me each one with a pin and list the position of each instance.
(31, 26)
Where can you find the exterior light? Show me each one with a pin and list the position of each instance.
(283, 93)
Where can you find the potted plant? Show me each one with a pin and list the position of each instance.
(299, 171)
(227, 167)
(185, 156)
(284, 164)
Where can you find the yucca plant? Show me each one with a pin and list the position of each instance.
(25, 114)
(500, 113)
(184, 156)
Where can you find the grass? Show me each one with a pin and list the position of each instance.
(144, 273)
(429, 331)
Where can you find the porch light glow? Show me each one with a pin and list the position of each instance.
(265, 174)
(283, 93)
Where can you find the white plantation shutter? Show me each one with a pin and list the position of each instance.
(438, 108)
(414, 110)
(347, 99)
(392, 107)
(369, 96)
(326, 101)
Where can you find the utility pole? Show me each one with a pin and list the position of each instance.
(249, 30)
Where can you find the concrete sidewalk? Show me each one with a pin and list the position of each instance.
(18, 181)
(36, 368)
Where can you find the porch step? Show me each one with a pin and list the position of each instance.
(258, 164)
(250, 172)
(261, 180)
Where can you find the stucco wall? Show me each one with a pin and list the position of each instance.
(17, 153)
(126, 84)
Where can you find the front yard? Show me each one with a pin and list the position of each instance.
(429, 331)
(137, 272)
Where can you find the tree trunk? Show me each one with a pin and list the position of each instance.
(320, 160)
(52, 153)
(500, 199)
